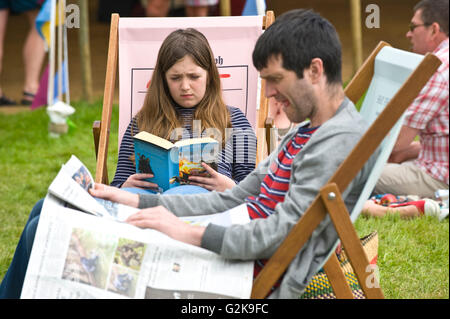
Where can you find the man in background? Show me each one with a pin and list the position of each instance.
(421, 167)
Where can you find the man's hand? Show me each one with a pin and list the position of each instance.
(138, 181)
(114, 194)
(160, 219)
(217, 181)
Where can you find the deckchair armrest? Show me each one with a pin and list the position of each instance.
(268, 125)
(96, 133)
(269, 122)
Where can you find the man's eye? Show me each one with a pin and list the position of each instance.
(273, 80)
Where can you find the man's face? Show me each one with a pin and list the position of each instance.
(296, 95)
(420, 36)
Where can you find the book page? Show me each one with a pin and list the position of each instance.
(154, 139)
(199, 140)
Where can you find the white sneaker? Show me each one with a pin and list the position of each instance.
(443, 214)
(432, 208)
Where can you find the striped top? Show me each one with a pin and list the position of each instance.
(200, 3)
(236, 160)
(276, 183)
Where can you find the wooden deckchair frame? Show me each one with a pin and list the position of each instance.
(329, 198)
(101, 129)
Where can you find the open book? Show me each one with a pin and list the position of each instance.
(97, 255)
(173, 163)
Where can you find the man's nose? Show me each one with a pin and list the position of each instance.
(270, 90)
(409, 34)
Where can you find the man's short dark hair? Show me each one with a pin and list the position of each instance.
(434, 11)
(300, 36)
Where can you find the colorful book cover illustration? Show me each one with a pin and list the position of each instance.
(173, 163)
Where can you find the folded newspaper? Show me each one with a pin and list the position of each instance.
(83, 249)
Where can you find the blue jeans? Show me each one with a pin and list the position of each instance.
(11, 286)
(12, 283)
(182, 189)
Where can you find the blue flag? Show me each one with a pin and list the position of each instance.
(254, 8)
(43, 21)
(64, 81)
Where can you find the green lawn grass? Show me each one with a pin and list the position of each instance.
(413, 254)
(30, 159)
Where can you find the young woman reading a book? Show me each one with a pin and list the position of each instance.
(185, 95)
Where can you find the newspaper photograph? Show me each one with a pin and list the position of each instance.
(78, 255)
(72, 184)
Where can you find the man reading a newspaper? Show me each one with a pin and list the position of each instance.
(299, 56)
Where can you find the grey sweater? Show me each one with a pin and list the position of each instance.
(259, 239)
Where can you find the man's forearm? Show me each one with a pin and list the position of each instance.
(411, 152)
(195, 235)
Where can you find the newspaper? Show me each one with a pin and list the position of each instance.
(97, 255)
(71, 185)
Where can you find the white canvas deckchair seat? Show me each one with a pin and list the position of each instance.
(391, 69)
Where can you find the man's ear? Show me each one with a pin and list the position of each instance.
(435, 29)
(316, 70)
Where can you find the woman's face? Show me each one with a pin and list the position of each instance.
(187, 82)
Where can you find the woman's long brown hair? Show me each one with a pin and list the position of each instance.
(158, 115)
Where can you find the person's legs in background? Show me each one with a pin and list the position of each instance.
(407, 179)
(33, 49)
(33, 57)
(4, 14)
(201, 11)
